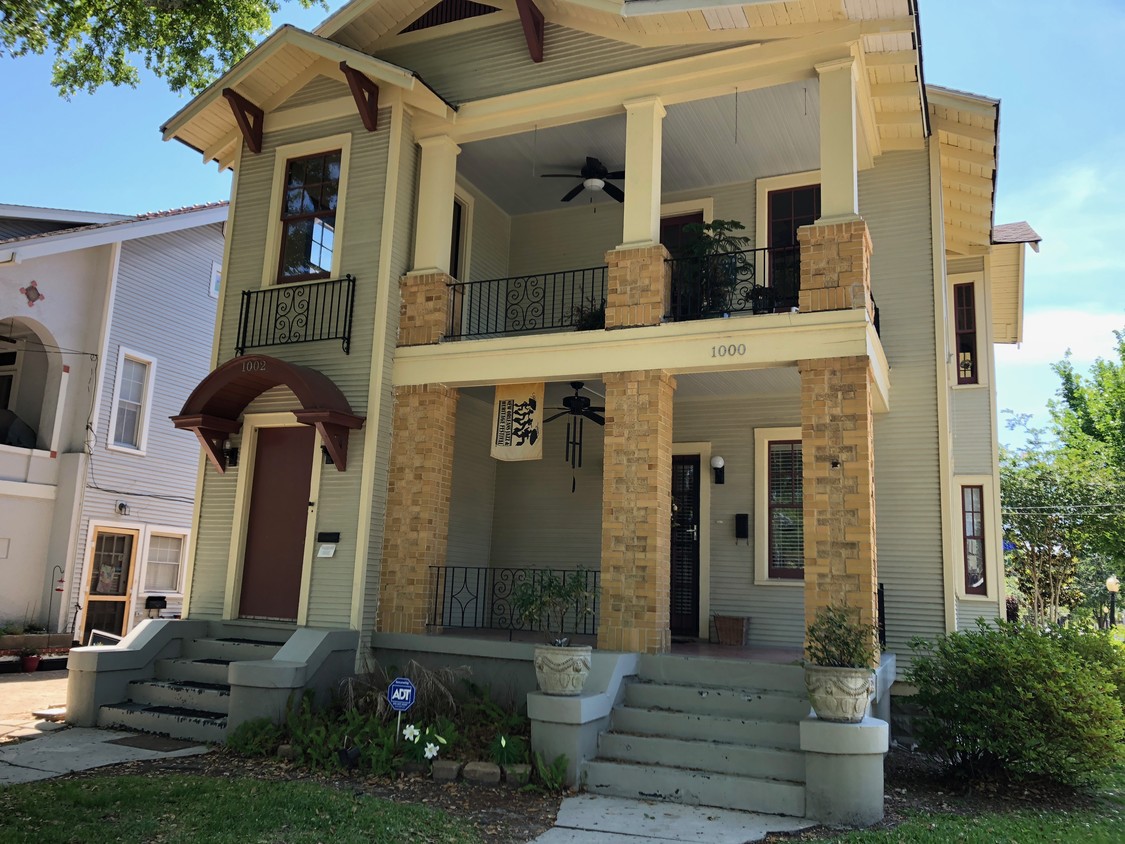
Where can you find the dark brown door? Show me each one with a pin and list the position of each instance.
(275, 530)
(685, 274)
(684, 617)
(789, 209)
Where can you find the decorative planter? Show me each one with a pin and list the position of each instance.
(562, 671)
(29, 663)
(839, 694)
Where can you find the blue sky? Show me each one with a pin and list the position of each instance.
(1062, 127)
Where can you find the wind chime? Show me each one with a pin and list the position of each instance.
(579, 407)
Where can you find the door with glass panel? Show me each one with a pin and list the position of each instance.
(109, 591)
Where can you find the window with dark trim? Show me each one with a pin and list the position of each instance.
(965, 326)
(308, 217)
(788, 209)
(786, 542)
(972, 509)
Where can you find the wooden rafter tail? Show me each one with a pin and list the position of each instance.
(249, 118)
(532, 20)
(366, 96)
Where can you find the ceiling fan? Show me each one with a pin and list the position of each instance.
(594, 176)
(581, 408)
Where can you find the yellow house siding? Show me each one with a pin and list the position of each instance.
(474, 481)
(489, 234)
(971, 414)
(492, 61)
(1004, 283)
(319, 89)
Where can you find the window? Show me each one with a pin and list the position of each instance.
(131, 399)
(965, 329)
(779, 512)
(972, 519)
(308, 216)
(9, 368)
(162, 563)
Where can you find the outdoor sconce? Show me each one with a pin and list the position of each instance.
(719, 465)
(1114, 586)
(328, 461)
(231, 454)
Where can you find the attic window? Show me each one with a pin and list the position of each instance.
(448, 11)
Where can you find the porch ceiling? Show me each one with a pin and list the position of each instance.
(777, 131)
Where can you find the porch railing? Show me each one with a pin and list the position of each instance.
(528, 303)
(757, 281)
(297, 313)
(480, 598)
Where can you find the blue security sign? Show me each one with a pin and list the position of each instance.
(400, 694)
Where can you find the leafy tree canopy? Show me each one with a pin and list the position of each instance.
(186, 42)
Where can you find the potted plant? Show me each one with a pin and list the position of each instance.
(29, 660)
(716, 259)
(588, 316)
(839, 670)
(543, 601)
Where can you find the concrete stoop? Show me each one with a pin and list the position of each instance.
(707, 732)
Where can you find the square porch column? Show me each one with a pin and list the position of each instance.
(419, 487)
(636, 512)
(433, 227)
(839, 184)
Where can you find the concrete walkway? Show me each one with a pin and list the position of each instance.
(21, 695)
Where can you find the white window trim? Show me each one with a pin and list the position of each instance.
(993, 538)
(146, 405)
(762, 190)
(984, 345)
(705, 204)
(215, 283)
(762, 438)
(467, 201)
(178, 533)
(282, 155)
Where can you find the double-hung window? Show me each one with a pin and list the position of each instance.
(779, 518)
(308, 216)
(965, 333)
(131, 400)
(972, 518)
(162, 563)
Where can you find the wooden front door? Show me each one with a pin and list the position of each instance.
(684, 587)
(109, 596)
(275, 528)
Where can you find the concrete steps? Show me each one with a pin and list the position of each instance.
(708, 732)
(176, 722)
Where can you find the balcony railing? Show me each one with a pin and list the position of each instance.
(297, 313)
(529, 303)
(758, 281)
(480, 598)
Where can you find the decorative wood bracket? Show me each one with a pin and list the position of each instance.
(333, 427)
(211, 431)
(248, 116)
(532, 20)
(366, 95)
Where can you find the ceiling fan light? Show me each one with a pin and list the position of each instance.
(593, 184)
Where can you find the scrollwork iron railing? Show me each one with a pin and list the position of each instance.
(297, 313)
(527, 303)
(759, 281)
(480, 598)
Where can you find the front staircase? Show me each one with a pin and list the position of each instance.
(709, 732)
(189, 698)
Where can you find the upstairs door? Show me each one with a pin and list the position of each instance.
(275, 529)
(686, 301)
(789, 209)
(684, 586)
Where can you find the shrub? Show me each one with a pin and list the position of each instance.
(256, 737)
(835, 641)
(1012, 701)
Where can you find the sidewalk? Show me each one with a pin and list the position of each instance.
(23, 694)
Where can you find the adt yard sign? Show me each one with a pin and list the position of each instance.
(400, 694)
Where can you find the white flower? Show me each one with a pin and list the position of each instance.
(431, 750)
(503, 741)
(410, 733)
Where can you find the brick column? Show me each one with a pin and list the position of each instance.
(636, 512)
(638, 287)
(419, 485)
(835, 267)
(839, 486)
(423, 309)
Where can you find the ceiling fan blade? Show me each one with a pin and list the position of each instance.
(597, 409)
(616, 174)
(614, 191)
(556, 416)
(577, 190)
(593, 417)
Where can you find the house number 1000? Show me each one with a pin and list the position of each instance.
(728, 351)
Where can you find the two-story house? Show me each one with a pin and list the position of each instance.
(105, 325)
(444, 210)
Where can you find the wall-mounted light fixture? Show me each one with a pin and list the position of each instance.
(719, 465)
(230, 453)
(122, 508)
(328, 461)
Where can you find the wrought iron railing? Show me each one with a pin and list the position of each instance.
(480, 598)
(572, 299)
(297, 313)
(758, 281)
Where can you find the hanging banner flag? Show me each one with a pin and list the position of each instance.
(517, 422)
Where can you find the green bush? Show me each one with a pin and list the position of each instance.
(1099, 647)
(256, 737)
(1014, 702)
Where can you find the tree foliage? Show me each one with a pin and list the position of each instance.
(186, 42)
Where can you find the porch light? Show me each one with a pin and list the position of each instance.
(230, 453)
(1114, 586)
(593, 184)
(718, 464)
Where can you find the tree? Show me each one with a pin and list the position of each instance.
(186, 42)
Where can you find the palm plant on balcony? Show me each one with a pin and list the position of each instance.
(716, 260)
(544, 601)
(839, 670)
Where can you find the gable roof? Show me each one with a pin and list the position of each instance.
(1020, 232)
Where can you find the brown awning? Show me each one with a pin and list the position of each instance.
(213, 409)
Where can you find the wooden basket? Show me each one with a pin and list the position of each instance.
(732, 629)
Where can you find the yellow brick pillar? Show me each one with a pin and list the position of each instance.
(636, 512)
(835, 267)
(423, 308)
(418, 492)
(638, 286)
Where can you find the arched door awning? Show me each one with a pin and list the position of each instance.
(213, 409)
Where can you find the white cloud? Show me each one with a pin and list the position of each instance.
(1049, 333)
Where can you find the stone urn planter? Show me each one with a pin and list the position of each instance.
(543, 601)
(839, 694)
(839, 675)
(562, 670)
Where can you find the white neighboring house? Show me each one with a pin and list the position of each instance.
(106, 324)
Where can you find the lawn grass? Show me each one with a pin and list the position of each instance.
(193, 810)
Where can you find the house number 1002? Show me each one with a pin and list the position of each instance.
(729, 351)
(253, 366)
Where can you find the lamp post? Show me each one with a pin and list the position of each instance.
(1113, 585)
